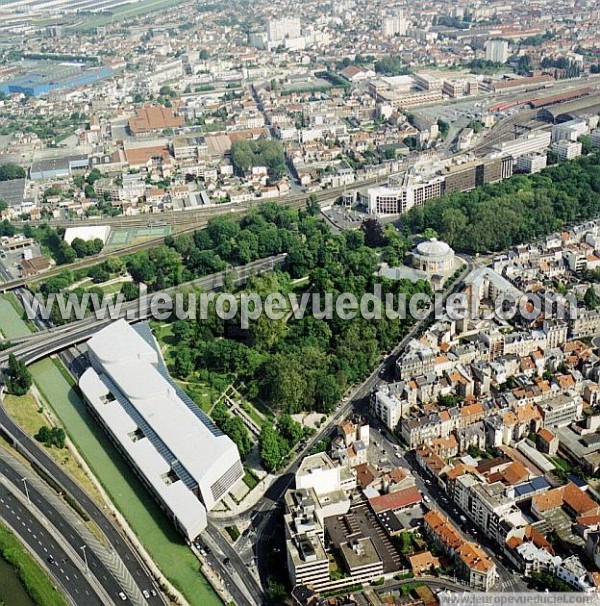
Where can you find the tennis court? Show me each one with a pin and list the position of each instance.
(124, 236)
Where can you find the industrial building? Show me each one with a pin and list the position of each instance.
(185, 461)
(56, 168)
(41, 78)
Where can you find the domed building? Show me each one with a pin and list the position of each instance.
(433, 257)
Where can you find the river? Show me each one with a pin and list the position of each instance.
(12, 592)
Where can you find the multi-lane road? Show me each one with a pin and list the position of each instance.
(68, 532)
(64, 569)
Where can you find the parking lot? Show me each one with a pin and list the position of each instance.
(11, 261)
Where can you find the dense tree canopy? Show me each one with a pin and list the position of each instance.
(296, 363)
(10, 171)
(247, 154)
(517, 210)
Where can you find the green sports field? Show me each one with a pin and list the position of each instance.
(125, 236)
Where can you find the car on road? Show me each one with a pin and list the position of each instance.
(226, 561)
(51, 559)
(153, 593)
(145, 593)
(122, 596)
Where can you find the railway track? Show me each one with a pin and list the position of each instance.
(504, 130)
(187, 217)
(190, 226)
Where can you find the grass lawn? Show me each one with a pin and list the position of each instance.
(200, 393)
(233, 532)
(561, 464)
(250, 479)
(37, 583)
(111, 289)
(10, 298)
(24, 410)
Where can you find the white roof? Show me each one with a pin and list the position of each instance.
(433, 248)
(171, 431)
(127, 360)
(88, 232)
(185, 507)
(119, 343)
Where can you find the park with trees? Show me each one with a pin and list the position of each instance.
(517, 210)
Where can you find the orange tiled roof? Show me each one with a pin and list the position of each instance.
(475, 558)
(423, 561)
(443, 529)
(569, 495)
(154, 118)
(515, 473)
(546, 435)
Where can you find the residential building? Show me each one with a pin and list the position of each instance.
(496, 51)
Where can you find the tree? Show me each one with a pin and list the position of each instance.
(80, 247)
(374, 234)
(51, 436)
(184, 361)
(270, 452)
(392, 65)
(264, 152)
(327, 392)
(591, 299)
(524, 65)
(18, 377)
(11, 171)
(312, 205)
(130, 291)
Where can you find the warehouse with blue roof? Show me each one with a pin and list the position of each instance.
(41, 81)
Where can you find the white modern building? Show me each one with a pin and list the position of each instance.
(529, 144)
(90, 232)
(186, 462)
(532, 163)
(392, 26)
(399, 199)
(388, 408)
(567, 150)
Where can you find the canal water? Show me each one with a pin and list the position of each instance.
(149, 523)
(12, 592)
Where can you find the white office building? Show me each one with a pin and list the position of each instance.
(567, 150)
(394, 26)
(397, 200)
(186, 462)
(529, 144)
(532, 163)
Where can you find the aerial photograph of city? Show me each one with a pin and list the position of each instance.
(299, 302)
